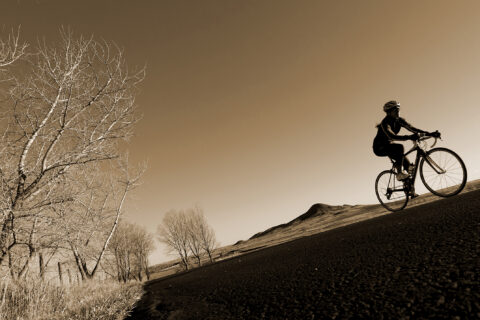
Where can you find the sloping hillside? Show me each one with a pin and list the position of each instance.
(318, 218)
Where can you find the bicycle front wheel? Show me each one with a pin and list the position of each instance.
(443, 172)
(391, 193)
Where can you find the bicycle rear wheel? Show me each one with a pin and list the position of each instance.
(443, 172)
(390, 192)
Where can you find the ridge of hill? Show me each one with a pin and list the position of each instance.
(315, 210)
(319, 210)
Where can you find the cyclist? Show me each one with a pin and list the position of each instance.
(388, 132)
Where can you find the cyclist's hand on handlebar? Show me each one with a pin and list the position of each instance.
(414, 136)
(435, 134)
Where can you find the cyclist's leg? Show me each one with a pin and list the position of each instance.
(406, 162)
(395, 152)
(380, 150)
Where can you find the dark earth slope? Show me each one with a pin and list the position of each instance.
(422, 262)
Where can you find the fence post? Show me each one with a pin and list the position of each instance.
(60, 272)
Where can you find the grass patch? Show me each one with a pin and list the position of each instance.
(28, 300)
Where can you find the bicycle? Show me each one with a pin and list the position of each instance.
(442, 172)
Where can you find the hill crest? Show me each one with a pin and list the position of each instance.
(318, 209)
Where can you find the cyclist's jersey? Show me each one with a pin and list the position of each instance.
(388, 131)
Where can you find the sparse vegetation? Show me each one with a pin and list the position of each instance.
(39, 300)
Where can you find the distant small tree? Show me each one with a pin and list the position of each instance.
(194, 225)
(143, 245)
(204, 232)
(130, 247)
(201, 234)
(173, 232)
(120, 248)
(188, 232)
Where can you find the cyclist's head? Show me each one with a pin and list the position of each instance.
(391, 105)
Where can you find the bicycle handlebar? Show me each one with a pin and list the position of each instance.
(436, 135)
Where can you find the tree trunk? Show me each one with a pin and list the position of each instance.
(210, 255)
(127, 264)
(147, 271)
(185, 263)
(78, 262)
(4, 233)
(112, 231)
(117, 260)
(185, 259)
(82, 266)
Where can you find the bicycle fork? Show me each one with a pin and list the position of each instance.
(434, 165)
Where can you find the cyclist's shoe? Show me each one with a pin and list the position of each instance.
(412, 194)
(410, 169)
(402, 176)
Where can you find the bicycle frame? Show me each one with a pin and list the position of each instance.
(409, 183)
(420, 154)
(445, 176)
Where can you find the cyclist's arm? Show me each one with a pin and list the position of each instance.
(391, 135)
(410, 128)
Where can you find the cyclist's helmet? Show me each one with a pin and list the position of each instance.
(391, 105)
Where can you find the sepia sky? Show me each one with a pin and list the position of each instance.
(255, 110)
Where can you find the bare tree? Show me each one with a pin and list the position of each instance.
(121, 247)
(130, 246)
(187, 232)
(173, 232)
(143, 247)
(68, 106)
(202, 231)
(193, 226)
